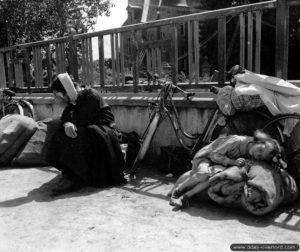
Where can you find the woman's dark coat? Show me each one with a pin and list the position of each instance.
(94, 155)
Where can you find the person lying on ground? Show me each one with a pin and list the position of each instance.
(86, 147)
(226, 151)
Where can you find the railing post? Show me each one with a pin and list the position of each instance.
(174, 53)
(2, 72)
(27, 70)
(73, 58)
(282, 39)
(135, 46)
(49, 65)
(242, 40)
(190, 51)
(250, 42)
(10, 74)
(222, 49)
(101, 60)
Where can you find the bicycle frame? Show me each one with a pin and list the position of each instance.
(166, 94)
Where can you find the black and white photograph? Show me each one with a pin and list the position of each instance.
(149, 125)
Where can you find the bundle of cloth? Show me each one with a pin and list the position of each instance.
(254, 90)
(258, 189)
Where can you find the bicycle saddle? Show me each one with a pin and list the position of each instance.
(235, 70)
(214, 89)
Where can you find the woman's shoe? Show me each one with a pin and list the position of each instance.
(67, 186)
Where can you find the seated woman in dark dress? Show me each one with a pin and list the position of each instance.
(86, 147)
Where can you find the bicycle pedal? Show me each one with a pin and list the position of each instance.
(129, 177)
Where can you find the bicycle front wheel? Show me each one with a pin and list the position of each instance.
(246, 123)
(148, 135)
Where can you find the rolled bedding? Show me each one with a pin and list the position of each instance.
(267, 188)
(226, 187)
(259, 190)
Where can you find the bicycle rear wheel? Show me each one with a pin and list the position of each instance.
(245, 123)
(13, 108)
(28, 109)
(148, 135)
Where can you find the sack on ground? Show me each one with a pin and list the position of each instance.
(33, 153)
(15, 131)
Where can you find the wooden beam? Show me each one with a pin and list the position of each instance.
(9, 69)
(113, 61)
(83, 61)
(63, 58)
(222, 49)
(101, 60)
(135, 61)
(190, 51)
(242, 40)
(90, 62)
(258, 18)
(148, 59)
(117, 58)
(153, 60)
(19, 78)
(27, 69)
(250, 42)
(49, 65)
(232, 42)
(2, 72)
(282, 39)
(175, 54)
(122, 59)
(196, 51)
(158, 57)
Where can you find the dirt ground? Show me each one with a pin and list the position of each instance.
(133, 217)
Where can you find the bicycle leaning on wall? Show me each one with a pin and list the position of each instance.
(241, 123)
(10, 105)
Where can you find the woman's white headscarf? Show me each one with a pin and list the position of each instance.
(68, 85)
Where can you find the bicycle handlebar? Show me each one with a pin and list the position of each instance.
(186, 94)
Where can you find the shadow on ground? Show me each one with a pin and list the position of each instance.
(152, 183)
(287, 216)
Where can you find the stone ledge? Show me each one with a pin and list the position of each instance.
(200, 100)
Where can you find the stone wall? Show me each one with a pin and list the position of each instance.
(132, 113)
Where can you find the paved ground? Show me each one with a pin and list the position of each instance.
(134, 217)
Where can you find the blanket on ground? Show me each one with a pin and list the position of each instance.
(260, 192)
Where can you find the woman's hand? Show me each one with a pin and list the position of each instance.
(70, 129)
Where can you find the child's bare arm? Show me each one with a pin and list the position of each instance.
(226, 161)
